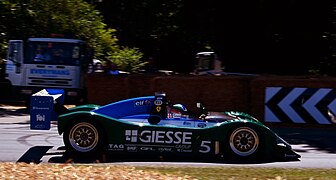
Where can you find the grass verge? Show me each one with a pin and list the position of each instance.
(243, 173)
(117, 172)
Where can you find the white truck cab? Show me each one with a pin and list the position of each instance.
(41, 63)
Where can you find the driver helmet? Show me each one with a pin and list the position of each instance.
(180, 107)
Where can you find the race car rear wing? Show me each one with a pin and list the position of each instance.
(45, 106)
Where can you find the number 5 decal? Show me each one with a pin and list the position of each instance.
(205, 147)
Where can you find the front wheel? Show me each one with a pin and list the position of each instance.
(84, 138)
(244, 142)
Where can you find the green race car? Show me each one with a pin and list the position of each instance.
(151, 125)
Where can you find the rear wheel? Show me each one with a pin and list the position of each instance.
(84, 138)
(244, 143)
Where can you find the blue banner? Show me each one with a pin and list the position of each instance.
(41, 110)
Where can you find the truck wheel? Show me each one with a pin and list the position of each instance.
(84, 138)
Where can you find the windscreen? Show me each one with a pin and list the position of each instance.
(204, 60)
(53, 53)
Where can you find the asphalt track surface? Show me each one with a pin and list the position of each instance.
(18, 143)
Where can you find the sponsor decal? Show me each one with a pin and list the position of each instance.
(159, 137)
(185, 123)
(132, 149)
(50, 71)
(290, 156)
(185, 150)
(116, 147)
(40, 117)
(147, 149)
(131, 135)
(176, 115)
(158, 102)
(158, 108)
(40, 126)
(142, 103)
(183, 146)
(165, 149)
(40, 108)
(201, 125)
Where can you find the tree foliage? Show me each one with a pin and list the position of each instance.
(248, 36)
(72, 18)
(128, 59)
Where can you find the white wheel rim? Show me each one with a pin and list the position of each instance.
(244, 141)
(83, 137)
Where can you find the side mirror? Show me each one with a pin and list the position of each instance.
(11, 56)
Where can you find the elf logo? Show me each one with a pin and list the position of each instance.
(142, 103)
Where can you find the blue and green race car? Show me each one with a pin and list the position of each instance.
(152, 125)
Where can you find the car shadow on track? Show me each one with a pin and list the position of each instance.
(317, 139)
(37, 153)
(34, 154)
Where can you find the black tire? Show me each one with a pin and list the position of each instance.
(244, 143)
(84, 138)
